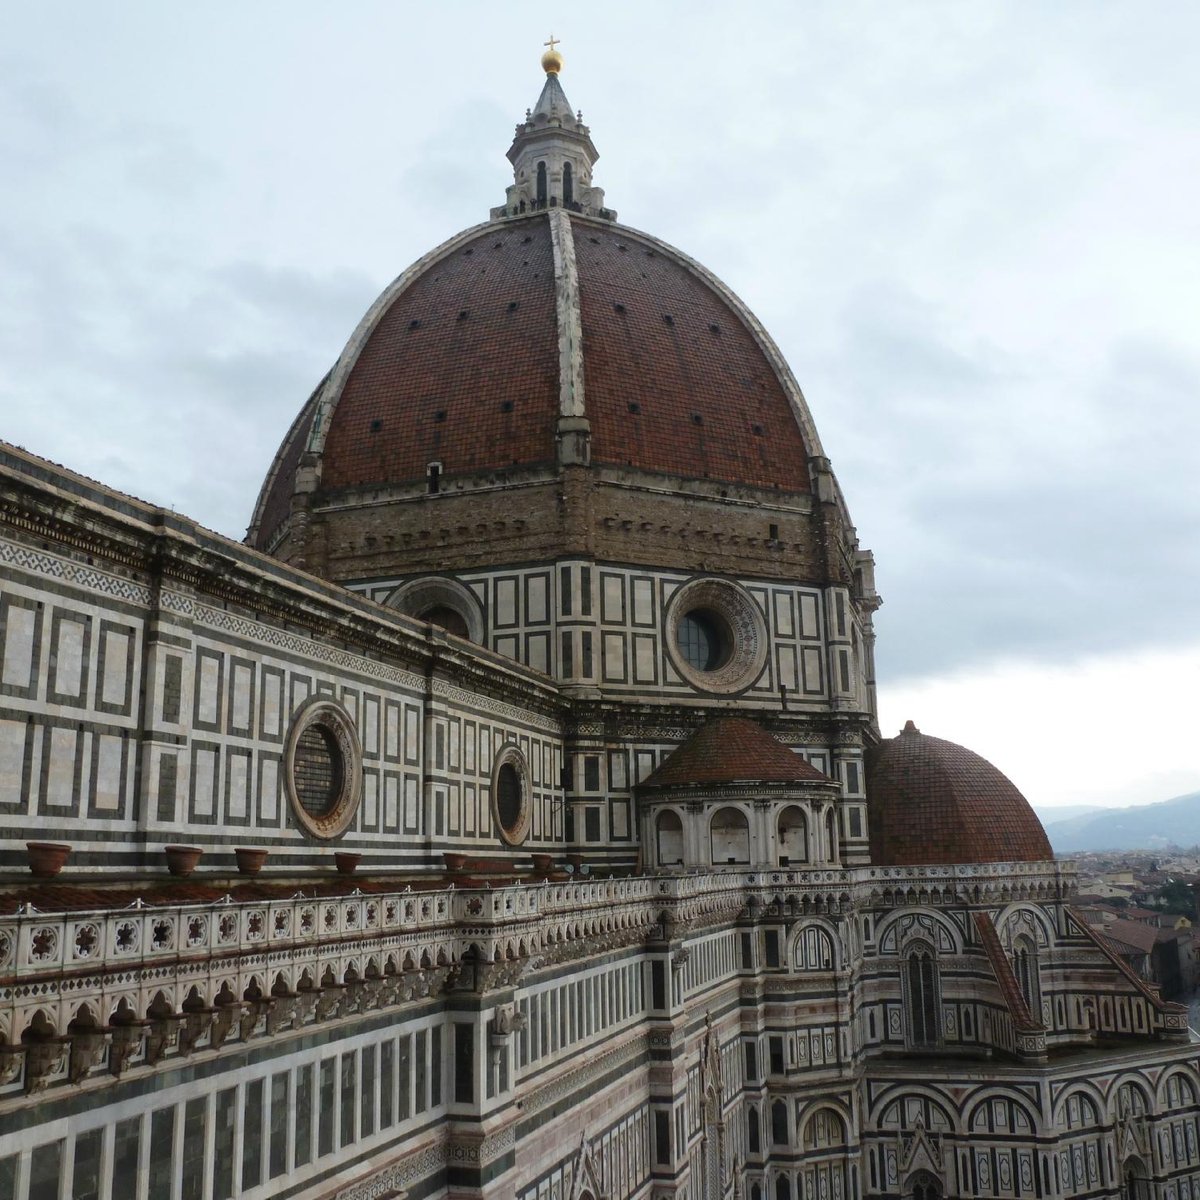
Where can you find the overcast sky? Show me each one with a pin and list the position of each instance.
(972, 228)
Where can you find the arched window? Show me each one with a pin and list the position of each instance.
(448, 618)
(922, 1001)
(753, 1139)
(793, 836)
(813, 950)
(1135, 1182)
(568, 184)
(923, 1186)
(779, 1123)
(1025, 964)
(824, 1130)
(541, 183)
(670, 839)
(831, 840)
(730, 833)
(783, 1188)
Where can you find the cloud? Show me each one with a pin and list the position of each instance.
(1020, 511)
(975, 245)
(1066, 733)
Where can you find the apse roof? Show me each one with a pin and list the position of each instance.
(732, 750)
(932, 802)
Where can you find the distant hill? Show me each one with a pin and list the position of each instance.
(1173, 822)
(1064, 812)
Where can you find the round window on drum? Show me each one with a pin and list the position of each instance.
(323, 768)
(510, 795)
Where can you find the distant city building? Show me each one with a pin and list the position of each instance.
(509, 817)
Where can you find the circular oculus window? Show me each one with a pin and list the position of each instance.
(716, 636)
(323, 768)
(510, 795)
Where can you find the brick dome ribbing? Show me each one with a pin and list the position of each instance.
(933, 802)
(460, 362)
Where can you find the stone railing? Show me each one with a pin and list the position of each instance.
(82, 989)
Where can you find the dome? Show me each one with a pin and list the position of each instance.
(546, 339)
(932, 802)
(471, 360)
(732, 750)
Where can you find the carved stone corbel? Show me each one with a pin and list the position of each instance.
(329, 1003)
(11, 1060)
(306, 1003)
(253, 1011)
(126, 1042)
(43, 1058)
(161, 1035)
(87, 1049)
(281, 1014)
(222, 1024)
(195, 1025)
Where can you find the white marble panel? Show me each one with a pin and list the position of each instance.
(206, 773)
(108, 773)
(243, 679)
(269, 800)
(12, 760)
(116, 667)
(68, 671)
(810, 626)
(60, 779)
(239, 785)
(209, 707)
(20, 627)
(537, 599)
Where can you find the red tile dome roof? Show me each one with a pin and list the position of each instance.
(932, 802)
(733, 750)
(461, 362)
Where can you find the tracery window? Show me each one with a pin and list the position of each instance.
(753, 1140)
(813, 950)
(1135, 1184)
(779, 1123)
(922, 996)
(1025, 963)
(923, 1186)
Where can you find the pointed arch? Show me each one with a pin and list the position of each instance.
(922, 987)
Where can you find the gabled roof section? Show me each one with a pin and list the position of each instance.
(733, 750)
(1014, 998)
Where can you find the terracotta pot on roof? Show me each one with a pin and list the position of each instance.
(46, 858)
(182, 860)
(250, 859)
(346, 861)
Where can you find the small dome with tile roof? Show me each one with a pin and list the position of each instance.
(933, 802)
(733, 750)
